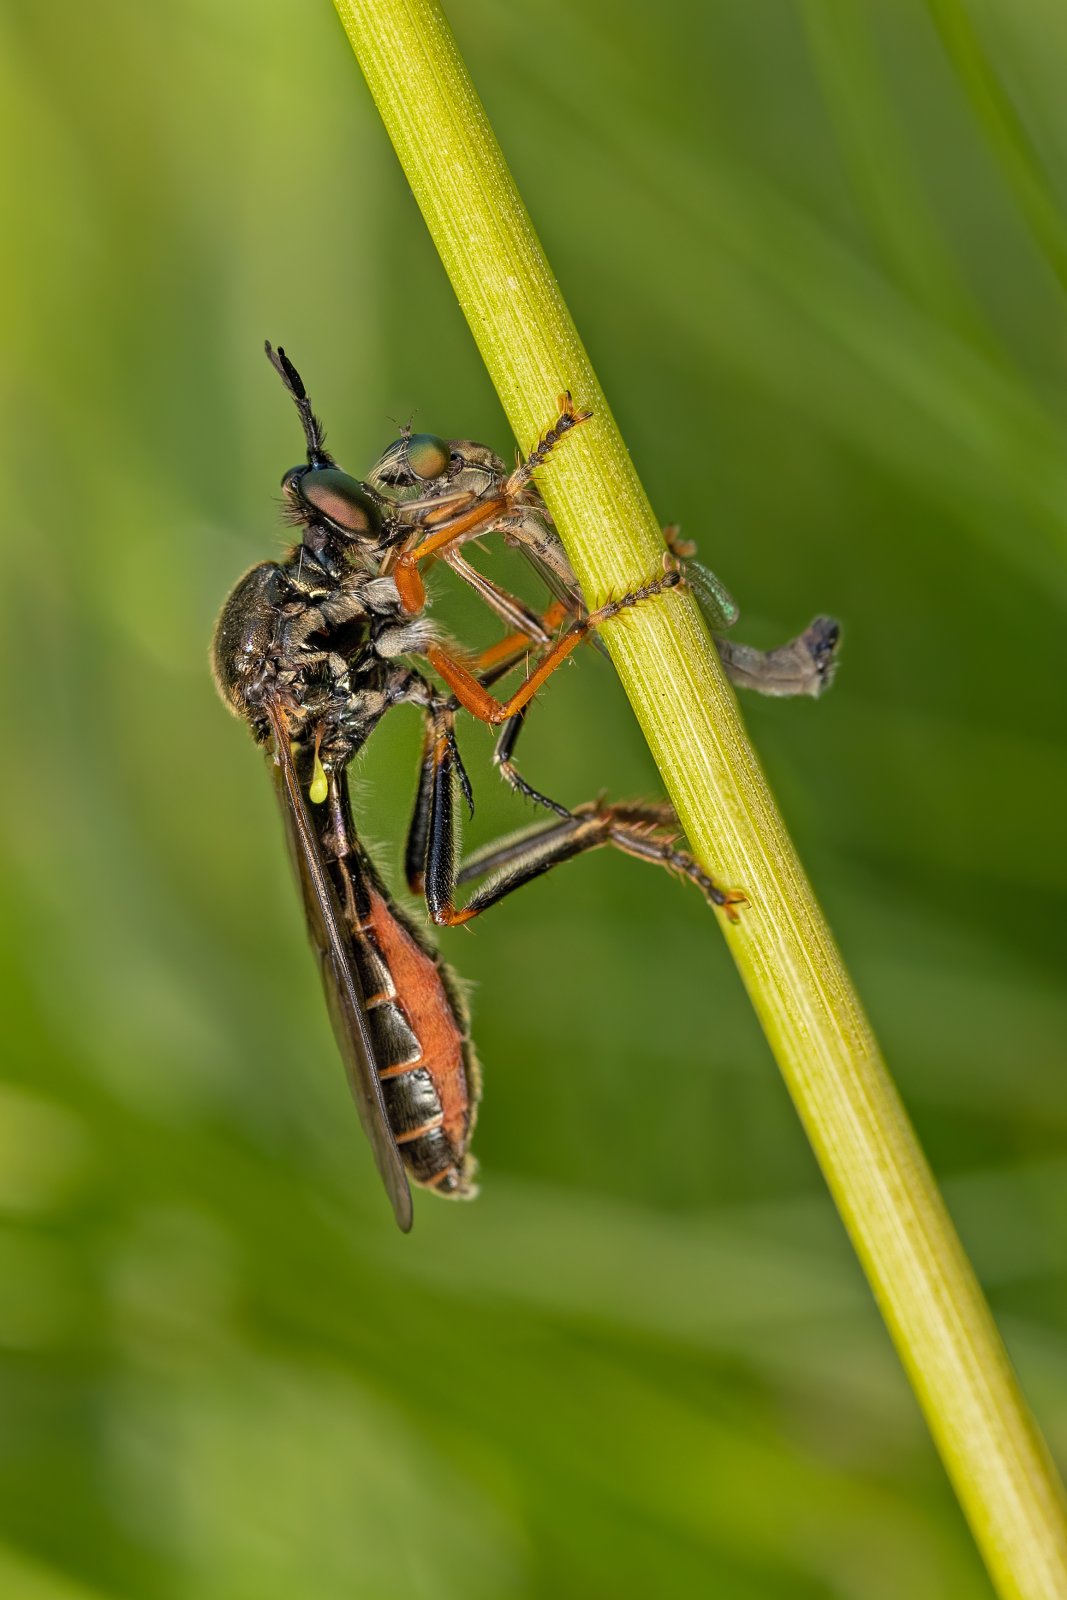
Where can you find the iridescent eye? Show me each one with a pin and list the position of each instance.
(413, 458)
(342, 500)
(427, 456)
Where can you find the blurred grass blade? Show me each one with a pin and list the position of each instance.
(1005, 130)
(783, 948)
(885, 182)
(899, 382)
(30, 1579)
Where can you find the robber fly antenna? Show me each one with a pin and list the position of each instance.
(318, 455)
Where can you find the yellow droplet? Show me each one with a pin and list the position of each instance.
(319, 788)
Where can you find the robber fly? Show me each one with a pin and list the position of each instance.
(312, 651)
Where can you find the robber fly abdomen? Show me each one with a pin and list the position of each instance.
(425, 1063)
(416, 1021)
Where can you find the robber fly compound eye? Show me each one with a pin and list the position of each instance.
(341, 500)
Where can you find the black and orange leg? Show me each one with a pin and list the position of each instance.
(430, 848)
(647, 832)
(644, 831)
(641, 831)
(440, 754)
(568, 419)
(418, 837)
(476, 698)
(496, 662)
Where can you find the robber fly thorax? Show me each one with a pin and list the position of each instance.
(313, 650)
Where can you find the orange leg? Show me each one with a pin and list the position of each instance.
(520, 644)
(476, 699)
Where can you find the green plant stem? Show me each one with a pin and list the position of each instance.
(783, 948)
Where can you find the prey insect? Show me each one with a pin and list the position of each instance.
(312, 651)
(464, 490)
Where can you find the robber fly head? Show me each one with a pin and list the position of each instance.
(337, 508)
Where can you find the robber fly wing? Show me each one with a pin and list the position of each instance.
(344, 994)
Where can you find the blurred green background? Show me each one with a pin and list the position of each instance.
(826, 296)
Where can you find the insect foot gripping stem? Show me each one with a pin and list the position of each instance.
(669, 578)
(646, 831)
(568, 418)
(643, 831)
(476, 699)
